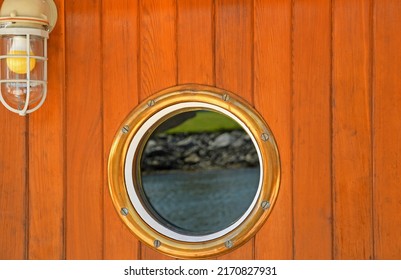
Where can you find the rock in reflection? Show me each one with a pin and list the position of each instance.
(184, 151)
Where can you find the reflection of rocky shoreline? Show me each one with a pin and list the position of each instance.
(232, 149)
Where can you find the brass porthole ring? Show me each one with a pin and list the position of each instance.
(125, 182)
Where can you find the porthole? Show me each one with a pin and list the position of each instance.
(194, 171)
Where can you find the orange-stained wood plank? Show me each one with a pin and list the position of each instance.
(233, 46)
(13, 191)
(312, 130)
(84, 151)
(272, 83)
(245, 252)
(158, 60)
(387, 133)
(46, 157)
(158, 41)
(120, 95)
(233, 65)
(195, 48)
(352, 157)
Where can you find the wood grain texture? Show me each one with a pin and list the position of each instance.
(272, 81)
(158, 60)
(352, 157)
(234, 47)
(324, 75)
(312, 130)
(13, 186)
(234, 64)
(120, 96)
(195, 41)
(387, 133)
(158, 42)
(13, 183)
(84, 147)
(47, 158)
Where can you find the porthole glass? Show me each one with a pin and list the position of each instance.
(200, 172)
(192, 169)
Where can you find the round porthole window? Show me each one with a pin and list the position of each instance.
(194, 171)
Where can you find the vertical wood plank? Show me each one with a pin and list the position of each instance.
(13, 183)
(272, 82)
(195, 48)
(158, 59)
(120, 95)
(13, 191)
(46, 157)
(387, 133)
(312, 130)
(352, 158)
(234, 41)
(84, 227)
(234, 55)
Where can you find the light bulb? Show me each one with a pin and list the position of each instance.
(19, 65)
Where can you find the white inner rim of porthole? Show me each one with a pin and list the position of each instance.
(135, 197)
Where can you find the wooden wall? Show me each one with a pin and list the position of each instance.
(324, 74)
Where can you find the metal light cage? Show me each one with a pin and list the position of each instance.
(23, 93)
(24, 29)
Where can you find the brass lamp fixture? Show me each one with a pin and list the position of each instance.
(24, 29)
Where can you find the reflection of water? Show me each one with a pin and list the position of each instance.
(204, 201)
